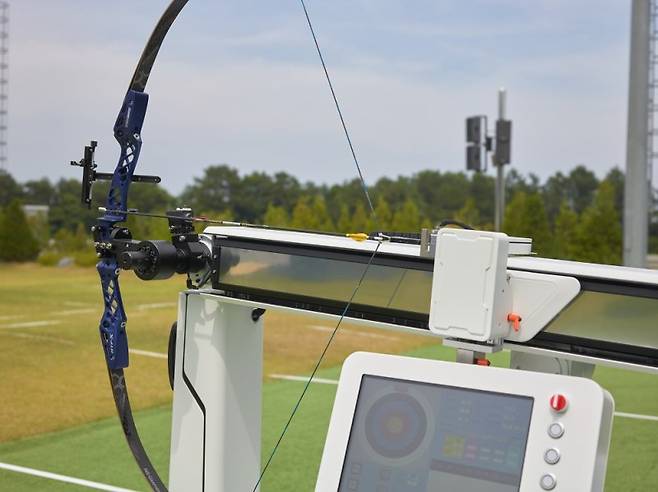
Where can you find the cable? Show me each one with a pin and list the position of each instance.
(317, 366)
(454, 222)
(365, 270)
(340, 113)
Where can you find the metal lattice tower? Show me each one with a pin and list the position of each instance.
(652, 102)
(4, 81)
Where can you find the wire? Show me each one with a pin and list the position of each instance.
(356, 236)
(365, 270)
(454, 222)
(317, 366)
(340, 113)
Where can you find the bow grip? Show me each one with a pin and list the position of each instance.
(113, 323)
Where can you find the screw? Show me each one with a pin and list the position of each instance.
(98, 255)
(181, 238)
(93, 228)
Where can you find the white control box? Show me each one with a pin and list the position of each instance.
(471, 295)
(415, 425)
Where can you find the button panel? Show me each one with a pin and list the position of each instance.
(548, 481)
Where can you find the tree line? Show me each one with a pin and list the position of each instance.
(572, 215)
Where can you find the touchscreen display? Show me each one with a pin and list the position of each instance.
(409, 436)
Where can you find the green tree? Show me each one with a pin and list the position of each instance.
(17, 243)
(617, 178)
(566, 233)
(302, 215)
(148, 197)
(599, 238)
(407, 219)
(451, 195)
(581, 188)
(38, 192)
(482, 190)
(276, 216)
(323, 220)
(517, 183)
(215, 191)
(360, 219)
(344, 222)
(469, 213)
(384, 215)
(9, 189)
(555, 192)
(66, 211)
(525, 216)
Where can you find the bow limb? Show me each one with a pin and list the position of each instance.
(127, 132)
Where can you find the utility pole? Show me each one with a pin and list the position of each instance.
(636, 193)
(479, 144)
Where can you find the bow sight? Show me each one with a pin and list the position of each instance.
(90, 175)
(150, 259)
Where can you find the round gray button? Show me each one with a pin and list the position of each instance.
(552, 456)
(555, 430)
(548, 482)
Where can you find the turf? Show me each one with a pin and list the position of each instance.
(57, 415)
(97, 451)
(54, 377)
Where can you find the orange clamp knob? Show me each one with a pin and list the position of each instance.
(515, 319)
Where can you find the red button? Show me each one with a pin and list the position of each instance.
(558, 403)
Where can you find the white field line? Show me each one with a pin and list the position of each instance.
(636, 416)
(156, 305)
(32, 324)
(303, 379)
(76, 303)
(62, 478)
(69, 312)
(148, 353)
(43, 338)
(328, 329)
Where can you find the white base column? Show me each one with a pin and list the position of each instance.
(216, 422)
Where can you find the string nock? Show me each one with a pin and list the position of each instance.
(357, 236)
(515, 319)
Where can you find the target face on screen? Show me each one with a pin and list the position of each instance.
(396, 426)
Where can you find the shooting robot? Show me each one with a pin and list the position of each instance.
(398, 424)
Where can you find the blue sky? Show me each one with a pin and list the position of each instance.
(239, 82)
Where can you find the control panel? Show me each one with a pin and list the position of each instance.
(413, 425)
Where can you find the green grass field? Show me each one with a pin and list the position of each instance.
(57, 415)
